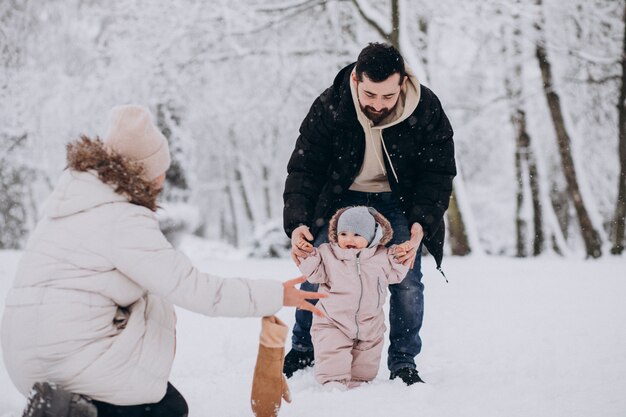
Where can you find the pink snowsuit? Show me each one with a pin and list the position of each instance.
(349, 340)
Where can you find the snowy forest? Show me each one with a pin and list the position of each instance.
(535, 91)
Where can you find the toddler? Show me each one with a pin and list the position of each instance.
(354, 268)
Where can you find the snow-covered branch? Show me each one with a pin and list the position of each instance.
(379, 23)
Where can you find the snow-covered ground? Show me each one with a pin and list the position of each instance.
(506, 337)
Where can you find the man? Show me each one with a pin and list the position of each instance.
(376, 138)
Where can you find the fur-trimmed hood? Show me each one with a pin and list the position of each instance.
(113, 169)
(383, 223)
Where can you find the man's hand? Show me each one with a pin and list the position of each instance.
(405, 253)
(293, 297)
(301, 245)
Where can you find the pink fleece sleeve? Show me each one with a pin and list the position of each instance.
(398, 271)
(313, 267)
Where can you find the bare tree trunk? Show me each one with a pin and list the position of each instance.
(267, 195)
(525, 164)
(241, 215)
(620, 206)
(512, 85)
(533, 174)
(521, 227)
(553, 226)
(394, 37)
(589, 234)
(459, 242)
(243, 194)
(230, 229)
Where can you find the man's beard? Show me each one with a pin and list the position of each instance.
(373, 115)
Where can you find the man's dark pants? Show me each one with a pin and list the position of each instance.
(407, 298)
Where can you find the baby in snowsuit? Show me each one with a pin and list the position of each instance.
(355, 269)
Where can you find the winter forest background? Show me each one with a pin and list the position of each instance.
(535, 91)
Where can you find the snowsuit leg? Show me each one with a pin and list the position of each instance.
(366, 359)
(333, 358)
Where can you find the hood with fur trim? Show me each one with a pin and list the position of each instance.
(383, 223)
(113, 169)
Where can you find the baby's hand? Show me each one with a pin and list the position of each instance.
(304, 244)
(400, 250)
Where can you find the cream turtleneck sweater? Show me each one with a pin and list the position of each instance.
(372, 177)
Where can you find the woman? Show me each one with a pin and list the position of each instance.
(91, 311)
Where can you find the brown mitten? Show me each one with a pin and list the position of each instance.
(269, 384)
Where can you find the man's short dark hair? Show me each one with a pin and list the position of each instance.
(379, 61)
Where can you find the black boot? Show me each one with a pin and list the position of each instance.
(48, 400)
(409, 375)
(296, 360)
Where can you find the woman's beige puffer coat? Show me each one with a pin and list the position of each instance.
(91, 307)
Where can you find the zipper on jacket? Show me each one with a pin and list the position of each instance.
(358, 308)
(380, 291)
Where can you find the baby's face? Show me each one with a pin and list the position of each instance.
(349, 240)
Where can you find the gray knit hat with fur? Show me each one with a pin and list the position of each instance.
(359, 220)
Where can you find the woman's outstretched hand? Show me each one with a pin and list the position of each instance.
(293, 297)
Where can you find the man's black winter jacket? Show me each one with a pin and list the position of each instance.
(329, 153)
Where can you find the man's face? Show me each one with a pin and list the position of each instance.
(377, 100)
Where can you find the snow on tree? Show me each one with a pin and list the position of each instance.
(230, 82)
